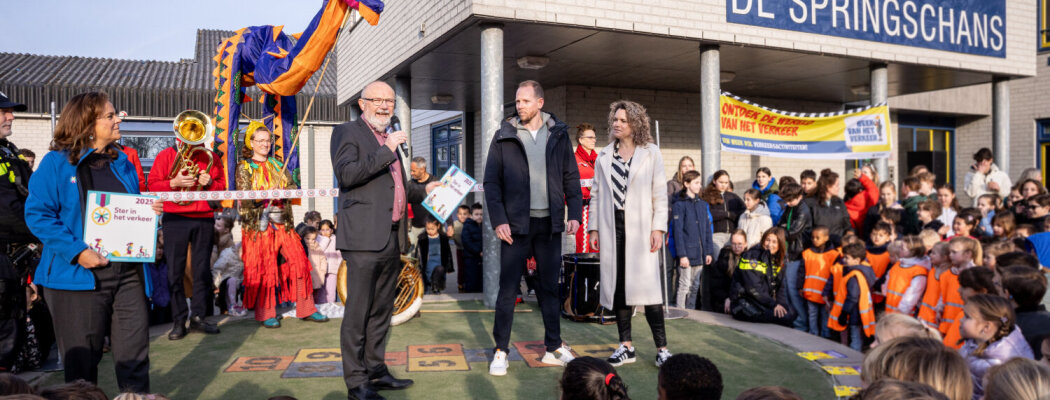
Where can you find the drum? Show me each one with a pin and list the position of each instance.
(583, 288)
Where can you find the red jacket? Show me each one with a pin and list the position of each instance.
(159, 182)
(858, 206)
(133, 156)
(585, 163)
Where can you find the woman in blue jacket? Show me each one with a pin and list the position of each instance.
(88, 296)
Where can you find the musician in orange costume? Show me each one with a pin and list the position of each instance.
(272, 252)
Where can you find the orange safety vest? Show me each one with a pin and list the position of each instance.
(867, 314)
(951, 300)
(818, 270)
(897, 283)
(879, 262)
(932, 296)
(953, 337)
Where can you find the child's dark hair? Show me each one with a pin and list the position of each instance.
(981, 280)
(932, 206)
(855, 250)
(327, 222)
(911, 183)
(690, 377)
(853, 188)
(768, 393)
(995, 309)
(689, 176)
(891, 214)
(476, 206)
(821, 228)
(13, 384)
(1017, 258)
(311, 216)
(463, 207)
(1007, 221)
(1042, 200)
(807, 174)
(587, 378)
(970, 216)
(883, 227)
(786, 179)
(828, 178)
(790, 191)
(1026, 286)
(309, 230)
(753, 193)
(432, 221)
(76, 390)
(955, 200)
(226, 221)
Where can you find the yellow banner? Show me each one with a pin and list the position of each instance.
(848, 135)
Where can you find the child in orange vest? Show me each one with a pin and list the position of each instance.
(964, 253)
(877, 255)
(971, 282)
(853, 307)
(906, 280)
(931, 308)
(817, 260)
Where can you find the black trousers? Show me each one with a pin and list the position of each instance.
(546, 247)
(769, 317)
(179, 233)
(370, 290)
(82, 319)
(654, 313)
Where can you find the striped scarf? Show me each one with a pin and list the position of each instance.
(620, 170)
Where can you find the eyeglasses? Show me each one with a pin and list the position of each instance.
(379, 102)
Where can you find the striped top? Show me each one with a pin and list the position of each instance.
(620, 170)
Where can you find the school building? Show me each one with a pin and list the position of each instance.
(958, 75)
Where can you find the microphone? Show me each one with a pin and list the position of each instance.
(395, 125)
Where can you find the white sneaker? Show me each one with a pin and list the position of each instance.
(498, 366)
(661, 357)
(560, 356)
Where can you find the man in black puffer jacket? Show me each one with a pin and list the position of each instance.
(531, 178)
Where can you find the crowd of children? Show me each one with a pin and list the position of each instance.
(966, 277)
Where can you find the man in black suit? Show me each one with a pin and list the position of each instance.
(374, 194)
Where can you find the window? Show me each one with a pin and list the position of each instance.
(1042, 128)
(148, 138)
(1044, 25)
(931, 146)
(445, 139)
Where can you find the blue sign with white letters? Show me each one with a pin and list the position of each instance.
(963, 26)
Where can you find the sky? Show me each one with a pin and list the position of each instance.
(139, 29)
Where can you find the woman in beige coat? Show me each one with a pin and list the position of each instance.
(629, 214)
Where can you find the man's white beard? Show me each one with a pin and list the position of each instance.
(376, 123)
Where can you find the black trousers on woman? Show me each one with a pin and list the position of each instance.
(654, 314)
(82, 319)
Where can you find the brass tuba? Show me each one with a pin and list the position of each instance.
(409, 298)
(192, 128)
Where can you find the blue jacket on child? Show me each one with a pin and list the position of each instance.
(55, 213)
(693, 230)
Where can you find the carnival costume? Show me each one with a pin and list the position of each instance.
(268, 233)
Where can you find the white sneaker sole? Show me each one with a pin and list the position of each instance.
(627, 361)
(550, 359)
(497, 373)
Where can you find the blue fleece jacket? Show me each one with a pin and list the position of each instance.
(55, 214)
(693, 230)
(771, 198)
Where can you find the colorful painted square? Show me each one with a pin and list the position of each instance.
(253, 364)
(396, 358)
(532, 352)
(594, 350)
(437, 364)
(435, 350)
(318, 355)
(833, 370)
(846, 391)
(327, 369)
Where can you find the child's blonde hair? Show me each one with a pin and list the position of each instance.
(913, 245)
(895, 325)
(971, 245)
(994, 309)
(940, 248)
(929, 238)
(1017, 379)
(922, 360)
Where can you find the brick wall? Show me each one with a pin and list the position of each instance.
(32, 132)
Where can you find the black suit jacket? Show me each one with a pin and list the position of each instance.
(366, 189)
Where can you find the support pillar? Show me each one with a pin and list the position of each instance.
(310, 178)
(491, 115)
(710, 129)
(403, 106)
(879, 93)
(1001, 123)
